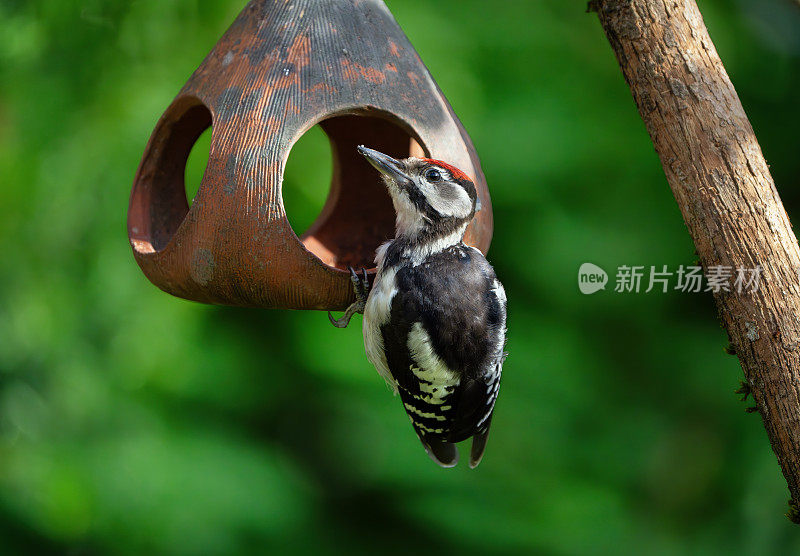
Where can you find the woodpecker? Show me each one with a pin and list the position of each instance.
(435, 318)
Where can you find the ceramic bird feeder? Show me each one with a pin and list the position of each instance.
(281, 68)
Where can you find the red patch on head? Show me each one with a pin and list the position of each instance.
(455, 172)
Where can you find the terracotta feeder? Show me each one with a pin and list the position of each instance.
(280, 69)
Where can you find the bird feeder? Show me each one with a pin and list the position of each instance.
(281, 68)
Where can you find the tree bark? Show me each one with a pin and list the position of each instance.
(728, 199)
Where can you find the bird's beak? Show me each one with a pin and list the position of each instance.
(386, 165)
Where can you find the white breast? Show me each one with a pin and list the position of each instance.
(376, 313)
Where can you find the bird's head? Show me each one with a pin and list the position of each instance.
(432, 198)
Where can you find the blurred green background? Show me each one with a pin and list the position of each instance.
(135, 422)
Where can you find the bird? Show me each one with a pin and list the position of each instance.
(434, 322)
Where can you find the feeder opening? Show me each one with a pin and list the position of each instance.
(307, 179)
(196, 165)
(157, 210)
(358, 214)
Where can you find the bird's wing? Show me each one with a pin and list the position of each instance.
(447, 330)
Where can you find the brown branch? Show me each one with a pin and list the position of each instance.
(723, 187)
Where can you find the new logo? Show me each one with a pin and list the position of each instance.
(591, 278)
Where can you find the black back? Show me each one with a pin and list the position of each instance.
(452, 295)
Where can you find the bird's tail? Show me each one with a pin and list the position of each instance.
(479, 445)
(442, 452)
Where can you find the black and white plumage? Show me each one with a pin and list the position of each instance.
(435, 317)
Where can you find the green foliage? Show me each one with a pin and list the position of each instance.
(134, 422)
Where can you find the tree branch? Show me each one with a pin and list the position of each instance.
(723, 187)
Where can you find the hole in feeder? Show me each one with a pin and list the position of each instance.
(196, 165)
(157, 210)
(307, 179)
(358, 214)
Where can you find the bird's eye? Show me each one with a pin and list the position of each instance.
(433, 175)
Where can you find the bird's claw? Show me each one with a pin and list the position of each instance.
(361, 289)
(360, 284)
(339, 323)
